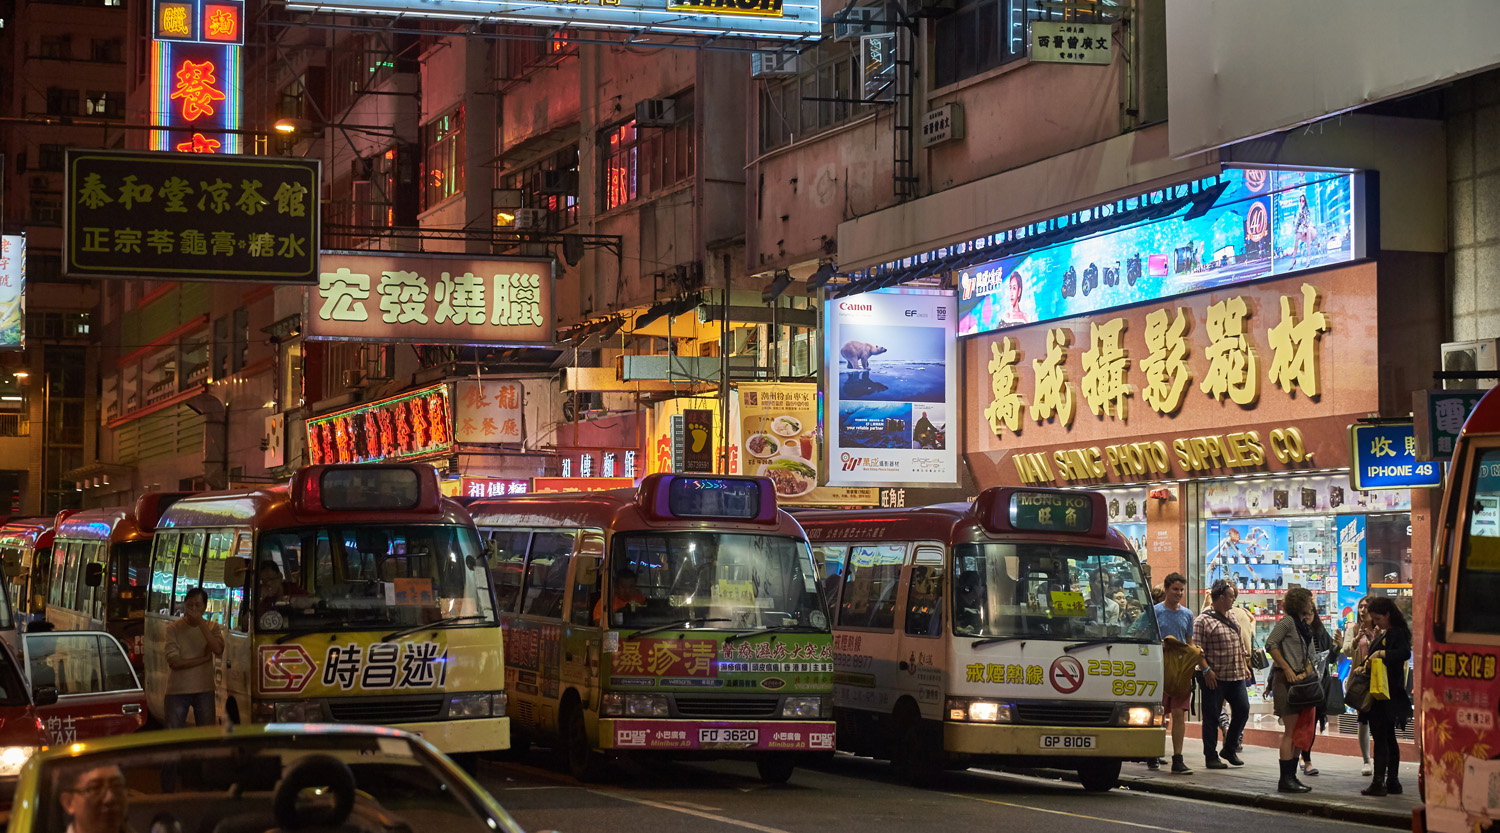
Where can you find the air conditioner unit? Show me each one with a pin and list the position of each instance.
(655, 112)
(353, 378)
(530, 219)
(854, 22)
(773, 64)
(1483, 354)
(559, 183)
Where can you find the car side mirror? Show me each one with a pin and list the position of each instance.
(235, 569)
(44, 695)
(93, 574)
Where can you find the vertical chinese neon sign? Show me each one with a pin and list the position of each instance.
(195, 75)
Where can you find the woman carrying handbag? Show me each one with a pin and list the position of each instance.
(1296, 686)
(1390, 706)
(1357, 648)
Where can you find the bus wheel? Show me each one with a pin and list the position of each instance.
(584, 762)
(777, 770)
(914, 755)
(1099, 776)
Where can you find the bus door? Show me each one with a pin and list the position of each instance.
(583, 637)
(534, 587)
(867, 616)
(505, 553)
(921, 658)
(225, 567)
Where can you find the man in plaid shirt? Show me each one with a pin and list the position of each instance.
(1226, 678)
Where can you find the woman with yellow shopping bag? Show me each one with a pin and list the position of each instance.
(1390, 706)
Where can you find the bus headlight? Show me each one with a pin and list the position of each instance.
(469, 705)
(298, 711)
(12, 758)
(636, 705)
(498, 702)
(802, 707)
(979, 711)
(1143, 716)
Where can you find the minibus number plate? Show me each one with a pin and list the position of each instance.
(1068, 741)
(736, 736)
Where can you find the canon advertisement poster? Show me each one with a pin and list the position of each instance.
(892, 407)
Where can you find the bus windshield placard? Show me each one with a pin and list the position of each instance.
(353, 488)
(1051, 511)
(713, 497)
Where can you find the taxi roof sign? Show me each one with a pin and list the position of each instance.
(708, 497)
(1064, 511)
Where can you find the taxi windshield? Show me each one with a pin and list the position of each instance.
(1046, 591)
(371, 577)
(724, 581)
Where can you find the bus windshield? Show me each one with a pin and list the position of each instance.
(371, 577)
(1046, 591)
(725, 581)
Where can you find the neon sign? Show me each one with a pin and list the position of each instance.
(221, 23)
(195, 75)
(195, 87)
(199, 144)
(415, 424)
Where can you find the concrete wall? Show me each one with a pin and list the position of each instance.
(1474, 206)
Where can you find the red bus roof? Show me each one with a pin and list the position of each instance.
(301, 502)
(119, 525)
(32, 533)
(1485, 418)
(991, 514)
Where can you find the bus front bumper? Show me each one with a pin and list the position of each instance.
(1006, 739)
(455, 737)
(720, 735)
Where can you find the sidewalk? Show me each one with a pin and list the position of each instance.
(1335, 789)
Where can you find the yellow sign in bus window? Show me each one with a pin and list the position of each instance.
(1067, 603)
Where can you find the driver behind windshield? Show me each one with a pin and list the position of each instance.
(969, 617)
(626, 594)
(271, 589)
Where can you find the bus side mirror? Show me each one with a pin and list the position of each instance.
(93, 574)
(235, 569)
(11, 565)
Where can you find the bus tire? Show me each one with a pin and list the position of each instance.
(776, 770)
(1099, 776)
(917, 759)
(584, 762)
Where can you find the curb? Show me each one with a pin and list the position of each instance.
(1339, 811)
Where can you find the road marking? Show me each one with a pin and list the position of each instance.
(1065, 813)
(661, 805)
(544, 787)
(705, 808)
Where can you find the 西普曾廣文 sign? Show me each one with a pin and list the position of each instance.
(191, 216)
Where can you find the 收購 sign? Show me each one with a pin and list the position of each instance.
(792, 19)
(191, 216)
(430, 299)
(1385, 457)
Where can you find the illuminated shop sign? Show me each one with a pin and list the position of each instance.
(1242, 225)
(492, 486)
(431, 299)
(1385, 457)
(790, 19)
(202, 21)
(415, 424)
(195, 75)
(12, 291)
(133, 214)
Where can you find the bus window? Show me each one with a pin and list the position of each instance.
(127, 586)
(924, 601)
(742, 580)
(1478, 580)
(830, 560)
(221, 605)
(547, 573)
(68, 578)
(189, 568)
(587, 590)
(91, 599)
(163, 567)
(869, 592)
(1047, 592)
(373, 577)
(506, 552)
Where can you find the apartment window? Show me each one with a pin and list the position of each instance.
(374, 191)
(46, 210)
(108, 50)
(293, 99)
(443, 171)
(640, 161)
(241, 352)
(221, 348)
(551, 185)
(362, 63)
(104, 104)
(61, 102)
(527, 52)
(59, 47)
(50, 157)
(788, 111)
(984, 34)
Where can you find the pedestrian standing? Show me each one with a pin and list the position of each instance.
(1290, 646)
(1224, 681)
(1174, 619)
(1357, 641)
(1393, 648)
(1322, 643)
(192, 643)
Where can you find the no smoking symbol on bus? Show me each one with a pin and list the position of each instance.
(1066, 674)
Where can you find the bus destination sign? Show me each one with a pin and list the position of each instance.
(1040, 511)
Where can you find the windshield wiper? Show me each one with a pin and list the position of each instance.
(1088, 643)
(438, 624)
(776, 629)
(281, 640)
(670, 625)
(995, 640)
